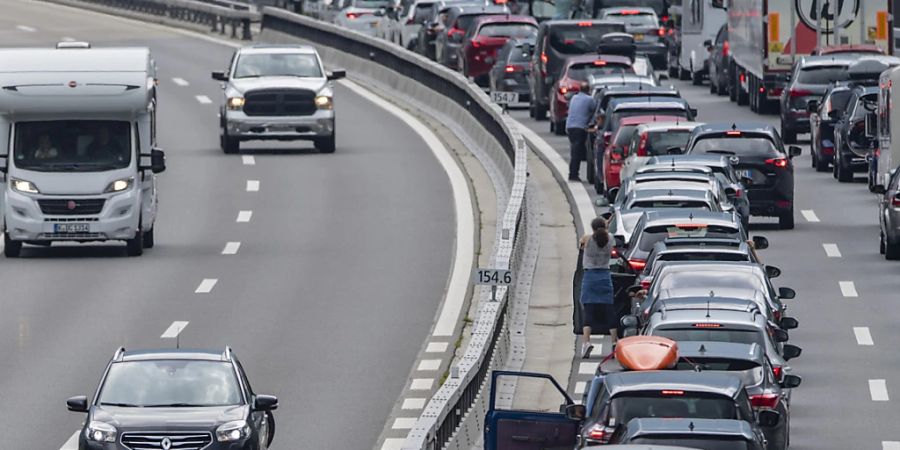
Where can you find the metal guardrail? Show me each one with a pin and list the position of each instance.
(216, 16)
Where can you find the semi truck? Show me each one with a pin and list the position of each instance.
(767, 37)
(78, 152)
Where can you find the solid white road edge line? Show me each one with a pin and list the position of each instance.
(174, 330)
(206, 286)
(890, 445)
(244, 216)
(863, 336)
(832, 250)
(848, 289)
(878, 390)
(809, 215)
(231, 248)
(464, 256)
(252, 185)
(72, 443)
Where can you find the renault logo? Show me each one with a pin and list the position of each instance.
(166, 443)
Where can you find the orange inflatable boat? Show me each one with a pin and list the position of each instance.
(646, 353)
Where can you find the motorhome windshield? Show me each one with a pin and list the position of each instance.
(72, 145)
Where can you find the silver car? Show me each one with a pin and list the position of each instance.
(889, 216)
(277, 93)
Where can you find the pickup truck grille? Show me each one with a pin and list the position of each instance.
(280, 102)
(71, 207)
(176, 440)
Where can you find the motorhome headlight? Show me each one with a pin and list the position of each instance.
(23, 186)
(235, 103)
(119, 185)
(324, 102)
(100, 432)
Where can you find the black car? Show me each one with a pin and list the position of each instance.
(556, 41)
(707, 434)
(719, 62)
(435, 25)
(510, 72)
(175, 399)
(809, 80)
(757, 153)
(851, 146)
(822, 117)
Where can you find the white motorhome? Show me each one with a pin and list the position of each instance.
(700, 22)
(78, 136)
(888, 119)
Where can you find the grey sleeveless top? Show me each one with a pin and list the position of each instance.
(596, 257)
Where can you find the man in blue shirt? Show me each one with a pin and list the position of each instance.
(581, 111)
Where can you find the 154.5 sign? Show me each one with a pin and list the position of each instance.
(492, 277)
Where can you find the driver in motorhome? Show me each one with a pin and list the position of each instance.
(45, 148)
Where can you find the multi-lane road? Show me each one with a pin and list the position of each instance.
(323, 272)
(847, 297)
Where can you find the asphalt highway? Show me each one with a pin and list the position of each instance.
(323, 272)
(846, 297)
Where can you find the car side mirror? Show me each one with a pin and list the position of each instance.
(791, 381)
(219, 76)
(780, 335)
(337, 74)
(266, 403)
(379, 13)
(693, 113)
(790, 352)
(812, 106)
(629, 321)
(835, 114)
(789, 323)
(773, 272)
(575, 412)
(77, 404)
(760, 242)
(786, 293)
(768, 418)
(674, 151)
(794, 151)
(730, 192)
(708, 44)
(613, 193)
(879, 189)
(606, 215)
(157, 161)
(662, 76)
(620, 241)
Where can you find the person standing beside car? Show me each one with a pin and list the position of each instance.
(596, 286)
(581, 110)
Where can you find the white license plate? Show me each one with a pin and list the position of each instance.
(506, 98)
(744, 173)
(638, 37)
(72, 228)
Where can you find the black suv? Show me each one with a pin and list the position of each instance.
(175, 399)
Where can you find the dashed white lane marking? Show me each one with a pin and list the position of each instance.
(809, 215)
(231, 248)
(413, 403)
(465, 213)
(244, 216)
(890, 445)
(72, 443)
(436, 347)
(878, 390)
(203, 99)
(174, 330)
(248, 160)
(421, 384)
(206, 286)
(580, 387)
(252, 185)
(404, 423)
(832, 250)
(587, 368)
(429, 364)
(26, 28)
(180, 81)
(848, 289)
(863, 336)
(393, 444)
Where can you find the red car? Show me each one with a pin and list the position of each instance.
(485, 37)
(579, 69)
(617, 150)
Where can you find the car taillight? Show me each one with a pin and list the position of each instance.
(614, 253)
(896, 201)
(776, 91)
(780, 163)
(615, 157)
(799, 93)
(585, 24)
(410, 21)
(563, 89)
(777, 371)
(511, 69)
(476, 43)
(606, 137)
(599, 434)
(642, 146)
(645, 283)
(725, 48)
(769, 401)
(637, 265)
(455, 32)
(738, 193)
(665, 19)
(661, 32)
(544, 58)
(352, 16)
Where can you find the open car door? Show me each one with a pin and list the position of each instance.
(522, 424)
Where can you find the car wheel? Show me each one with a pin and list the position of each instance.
(786, 220)
(560, 128)
(592, 174)
(814, 160)
(598, 183)
(891, 251)
(713, 89)
(754, 99)
(326, 144)
(788, 136)
(11, 248)
(732, 86)
(673, 70)
(230, 145)
(149, 238)
(844, 171)
(696, 78)
(881, 245)
(540, 112)
(684, 74)
(135, 245)
(742, 97)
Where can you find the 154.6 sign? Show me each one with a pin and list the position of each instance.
(493, 277)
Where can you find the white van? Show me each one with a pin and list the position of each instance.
(700, 22)
(888, 118)
(77, 146)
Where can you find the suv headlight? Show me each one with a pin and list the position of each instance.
(100, 432)
(23, 186)
(233, 431)
(119, 185)
(324, 102)
(235, 103)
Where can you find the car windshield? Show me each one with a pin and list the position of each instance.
(657, 204)
(652, 235)
(463, 22)
(623, 136)
(822, 74)
(304, 65)
(704, 442)
(740, 146)
(581, 71)
(628, 221)
(579, 39)
(641, 19)
(659, 142)
(711, 334)
(639, 405)
(170, 383)
(751, 372)
(509, 30)
(72, 145)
